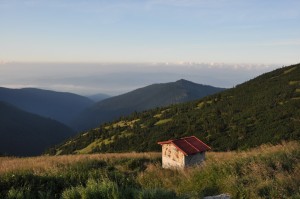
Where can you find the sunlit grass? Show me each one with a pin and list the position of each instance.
(294, 82)
(264, 172)
(123, 123)
(289, 70)
(160, 122)
(42, 164)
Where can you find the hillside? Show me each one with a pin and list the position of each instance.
(156, 95)
(264, 172)
(59, 106)
(24, 134)
(263, 110)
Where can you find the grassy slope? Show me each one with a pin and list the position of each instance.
(264, 172)
(263, 110)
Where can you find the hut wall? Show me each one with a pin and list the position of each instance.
(172, 157)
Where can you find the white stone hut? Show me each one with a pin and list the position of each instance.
(183, 152)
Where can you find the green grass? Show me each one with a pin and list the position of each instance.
(265, 172)
(98, 142)
(294, 82)
(90, 147)
(157, 115)
(200, 105)
(163, 121)
(122, 124)
(289, 70)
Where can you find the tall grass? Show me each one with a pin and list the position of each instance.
(265, 172)
(42, 164)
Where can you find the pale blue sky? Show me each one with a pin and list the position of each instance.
(91, 46)
(228, 31)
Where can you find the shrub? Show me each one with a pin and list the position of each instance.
(18, 194)
(93, 190)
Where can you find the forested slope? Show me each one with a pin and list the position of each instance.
(263, 110)
(152, 96)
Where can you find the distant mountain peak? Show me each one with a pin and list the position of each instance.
(184, 81)
(152, 96)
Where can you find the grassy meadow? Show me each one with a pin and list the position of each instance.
(264, 172)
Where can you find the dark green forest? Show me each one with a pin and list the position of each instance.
(265, 109)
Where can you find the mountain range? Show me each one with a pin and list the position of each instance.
(265, 109)
(35, 119)
(27, 134)
(153, 96)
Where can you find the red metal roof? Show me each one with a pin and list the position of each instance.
(188, 145)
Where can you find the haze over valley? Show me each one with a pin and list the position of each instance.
(118, 78)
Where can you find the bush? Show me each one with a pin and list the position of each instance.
(93, 190)
(27, 185)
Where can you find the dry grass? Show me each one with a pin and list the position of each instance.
(268, 169)
(266, 149)
(41, 164)
(264, 172)
(54, 163)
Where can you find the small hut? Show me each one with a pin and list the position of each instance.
(183, 152)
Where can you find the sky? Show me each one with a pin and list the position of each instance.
(130, 39)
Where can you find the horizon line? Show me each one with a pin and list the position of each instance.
(3, 62)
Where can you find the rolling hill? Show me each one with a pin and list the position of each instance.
(156, 95)
(27, 134)
(265, 109)
(59, 106)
